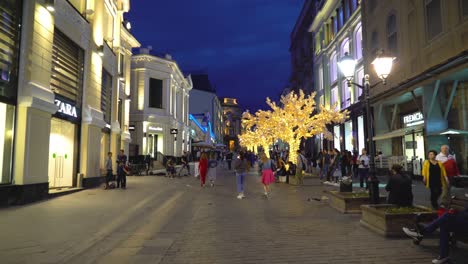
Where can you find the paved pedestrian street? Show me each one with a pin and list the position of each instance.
(162, 220)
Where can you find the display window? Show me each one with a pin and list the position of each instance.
(7, 117)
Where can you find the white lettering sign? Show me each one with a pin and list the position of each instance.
(413, 118)
(152, 128)
(66, 108)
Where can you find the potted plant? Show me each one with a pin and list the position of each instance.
(349, 202)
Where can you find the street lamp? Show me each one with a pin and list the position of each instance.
(383, 67)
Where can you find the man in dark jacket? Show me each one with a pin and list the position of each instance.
(399, 188)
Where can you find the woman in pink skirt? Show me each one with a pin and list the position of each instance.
(267, 173)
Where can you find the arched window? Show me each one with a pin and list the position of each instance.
(358, 42)
(333, 68)
(345, 47)
(392, 34)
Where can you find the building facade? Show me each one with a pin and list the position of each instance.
(337, 30)
(232, 116)
(424, 103)
(301, 50)
(205, 106)
(62, 94)
(159, 110)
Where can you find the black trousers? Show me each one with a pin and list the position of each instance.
(229, 164)
(435, 195)
(108, 176)
(121, 180)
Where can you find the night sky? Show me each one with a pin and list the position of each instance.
(242, 44)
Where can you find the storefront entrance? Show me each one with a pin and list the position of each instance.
(62, 160)
(414, 146)
(154, 144)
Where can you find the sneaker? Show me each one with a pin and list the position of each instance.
(440, 260)
(240, 196)
(412, 233)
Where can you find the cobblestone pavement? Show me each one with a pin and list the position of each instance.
(161, 220)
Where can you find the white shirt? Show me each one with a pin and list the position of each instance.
(363, 159)
(443, 158)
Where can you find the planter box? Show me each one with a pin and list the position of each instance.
(348, 202)
(388, 224)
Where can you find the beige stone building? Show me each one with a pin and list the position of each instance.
(72, 92)
(424, 103)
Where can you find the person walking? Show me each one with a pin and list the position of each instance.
(444, 154)
(301, 165)
(363, 168)
(121, 170)
(109, 175)
(203, 168)
(399, 188)
(434, 177)
(267, 173)
(240, 167)
(326, 165)
(212, 165)
(185, 163)
(280, 169)
(336, 165)
(451, 168)
(229, 159)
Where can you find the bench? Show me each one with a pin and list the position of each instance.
(458, 203)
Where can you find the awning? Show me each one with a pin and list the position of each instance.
(449, 131)
(399, 132)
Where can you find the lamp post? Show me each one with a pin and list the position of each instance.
(383, 67)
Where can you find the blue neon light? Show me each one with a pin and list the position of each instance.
(204, 129)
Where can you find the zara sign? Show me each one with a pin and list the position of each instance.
(66, 108)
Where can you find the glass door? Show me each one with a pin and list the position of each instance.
(61, 153)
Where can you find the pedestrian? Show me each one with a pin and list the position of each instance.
(444, 154)
(267, 173)
(291, 171)
(280, 168)
(229, 159)
(240, 167)
(198, 155)
(363, 169)
(300, 166)
(203, 168)
(326, 165)
(349, 164)
(109, 175)
(434, 177)
(185, 163)
(399, 188)
(170, 168)
(212, 165)
(355, 164)
(336, 165)
(122, 170)
(447, 223)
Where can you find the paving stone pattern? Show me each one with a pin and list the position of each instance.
(170, 221)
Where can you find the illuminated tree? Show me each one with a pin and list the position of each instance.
(294, 120)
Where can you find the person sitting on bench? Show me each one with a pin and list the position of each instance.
(448, 222)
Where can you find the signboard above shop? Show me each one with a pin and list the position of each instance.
(152, 128)
(413, 119)
(174, 131)
(66, 109)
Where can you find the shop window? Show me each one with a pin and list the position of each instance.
(106, 95)
(320, 78)
(345, 94)
(392, 34)
(348, 136)
(155, 93)
(7, 115)
(336, 137)
(108, 24)
(340, 17)
(358, 42)
(67, 67)
(361, 138)
(345, 47)
(359, 79)
(333, 68)
(433, 18)
(334, 97)
(10, 15)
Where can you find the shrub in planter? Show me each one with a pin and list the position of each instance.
(349, 202)
(388, 219)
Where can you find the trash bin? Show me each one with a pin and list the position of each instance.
(346, 185)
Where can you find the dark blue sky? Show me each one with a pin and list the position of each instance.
(242, 44)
